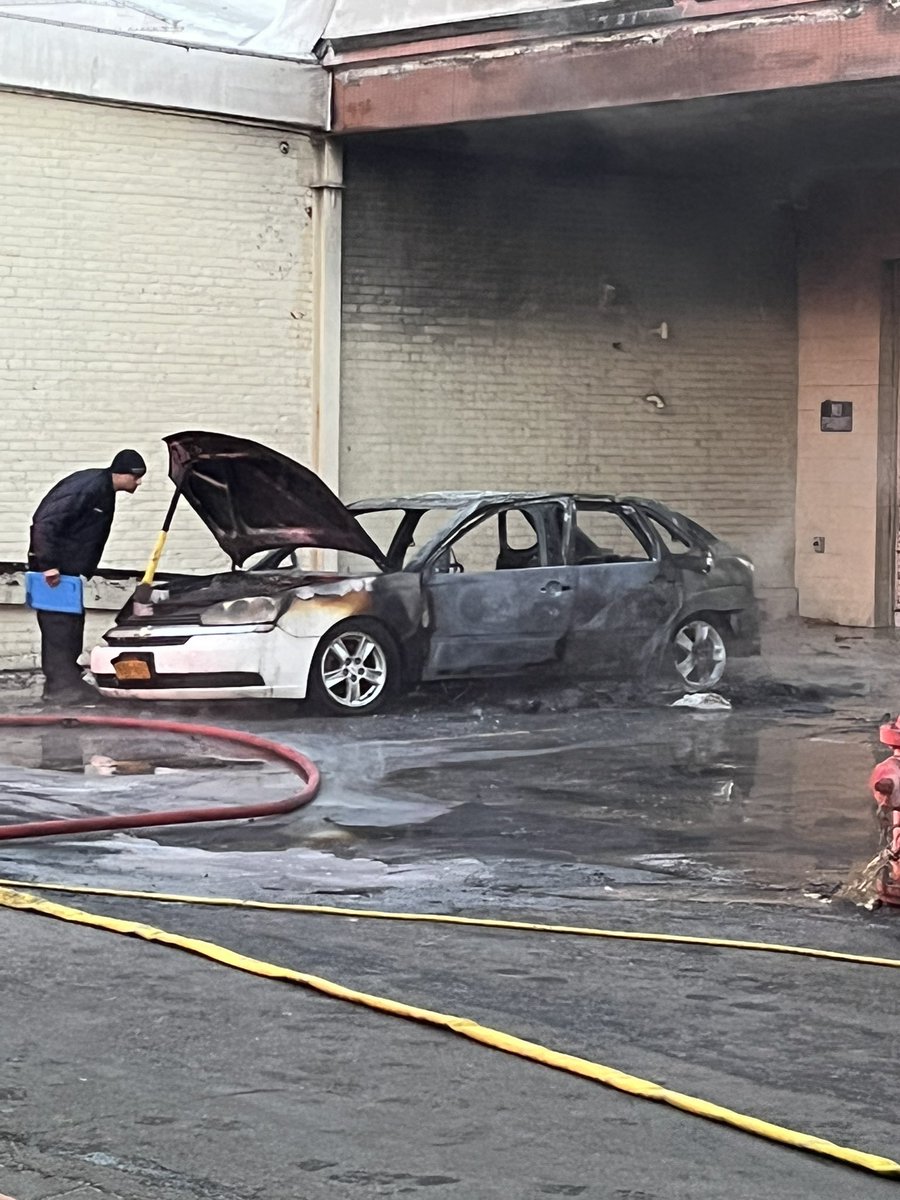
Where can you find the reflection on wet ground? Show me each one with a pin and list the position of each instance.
(776, 802)
(66, 771)
(592, 799)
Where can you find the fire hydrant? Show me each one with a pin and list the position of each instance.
(885, 784)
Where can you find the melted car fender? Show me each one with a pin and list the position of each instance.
(394, 600)
(317, 606)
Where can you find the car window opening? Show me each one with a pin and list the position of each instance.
(506, 541)
(602, 535)
(675, 542)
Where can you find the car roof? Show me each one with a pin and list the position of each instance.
(453, 500)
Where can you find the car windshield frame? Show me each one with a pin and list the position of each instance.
(403, 539)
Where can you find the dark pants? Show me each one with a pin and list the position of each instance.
(62, 641)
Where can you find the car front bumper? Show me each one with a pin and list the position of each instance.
(203, 663)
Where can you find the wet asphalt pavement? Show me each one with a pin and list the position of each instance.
(138, 1072)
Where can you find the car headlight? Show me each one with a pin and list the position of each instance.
(254, 610)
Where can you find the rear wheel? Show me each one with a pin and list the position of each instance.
(699, 653)
(356, 668)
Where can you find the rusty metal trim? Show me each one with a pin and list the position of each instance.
(798, 46)
(368, 51)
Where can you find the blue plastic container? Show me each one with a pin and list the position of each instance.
(66, 597)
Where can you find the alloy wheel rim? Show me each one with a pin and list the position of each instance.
(354, 669)
(700, 654)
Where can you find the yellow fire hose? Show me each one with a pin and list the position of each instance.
(630, 935)
(495, 1038)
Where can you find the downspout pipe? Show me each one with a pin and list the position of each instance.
(327, 216)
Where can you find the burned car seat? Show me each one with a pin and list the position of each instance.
(511, 560)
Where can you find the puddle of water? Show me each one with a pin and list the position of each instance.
(694, 800)
(134, 752)
(103, 764)
(774, 804)
(698, 800)
(60, 772)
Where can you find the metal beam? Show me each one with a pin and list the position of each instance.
(723, 56)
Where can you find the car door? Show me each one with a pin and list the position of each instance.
(494, 603)
(625, 591)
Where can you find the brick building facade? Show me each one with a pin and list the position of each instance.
(156, 274)
(653, 290)
(502, 328)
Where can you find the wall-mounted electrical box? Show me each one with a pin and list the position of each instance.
(836, 416)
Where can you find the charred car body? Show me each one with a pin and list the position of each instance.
(458, 585)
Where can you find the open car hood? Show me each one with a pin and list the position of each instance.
(252, 498)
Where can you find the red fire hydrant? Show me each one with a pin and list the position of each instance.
(885, 784)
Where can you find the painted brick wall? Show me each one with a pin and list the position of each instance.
(484, 347)
(155, 275)
(851, 229)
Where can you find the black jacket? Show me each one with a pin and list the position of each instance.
(71, 525)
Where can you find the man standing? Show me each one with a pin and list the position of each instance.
(69, 531)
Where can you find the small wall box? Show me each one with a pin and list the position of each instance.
(836, 416)
(66, 597)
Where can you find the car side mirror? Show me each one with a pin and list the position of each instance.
(699, 561)
(446, 563)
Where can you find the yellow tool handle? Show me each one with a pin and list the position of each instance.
(155, 557)
(150, 573)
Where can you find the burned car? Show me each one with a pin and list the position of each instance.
(452, 585)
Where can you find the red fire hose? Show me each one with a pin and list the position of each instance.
(296, 761)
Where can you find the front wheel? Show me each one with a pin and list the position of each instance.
(699, 653)
(355, 670)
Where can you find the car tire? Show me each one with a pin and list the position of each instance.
(355, 670)
(699, 652)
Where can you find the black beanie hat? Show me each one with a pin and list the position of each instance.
(128, 462)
